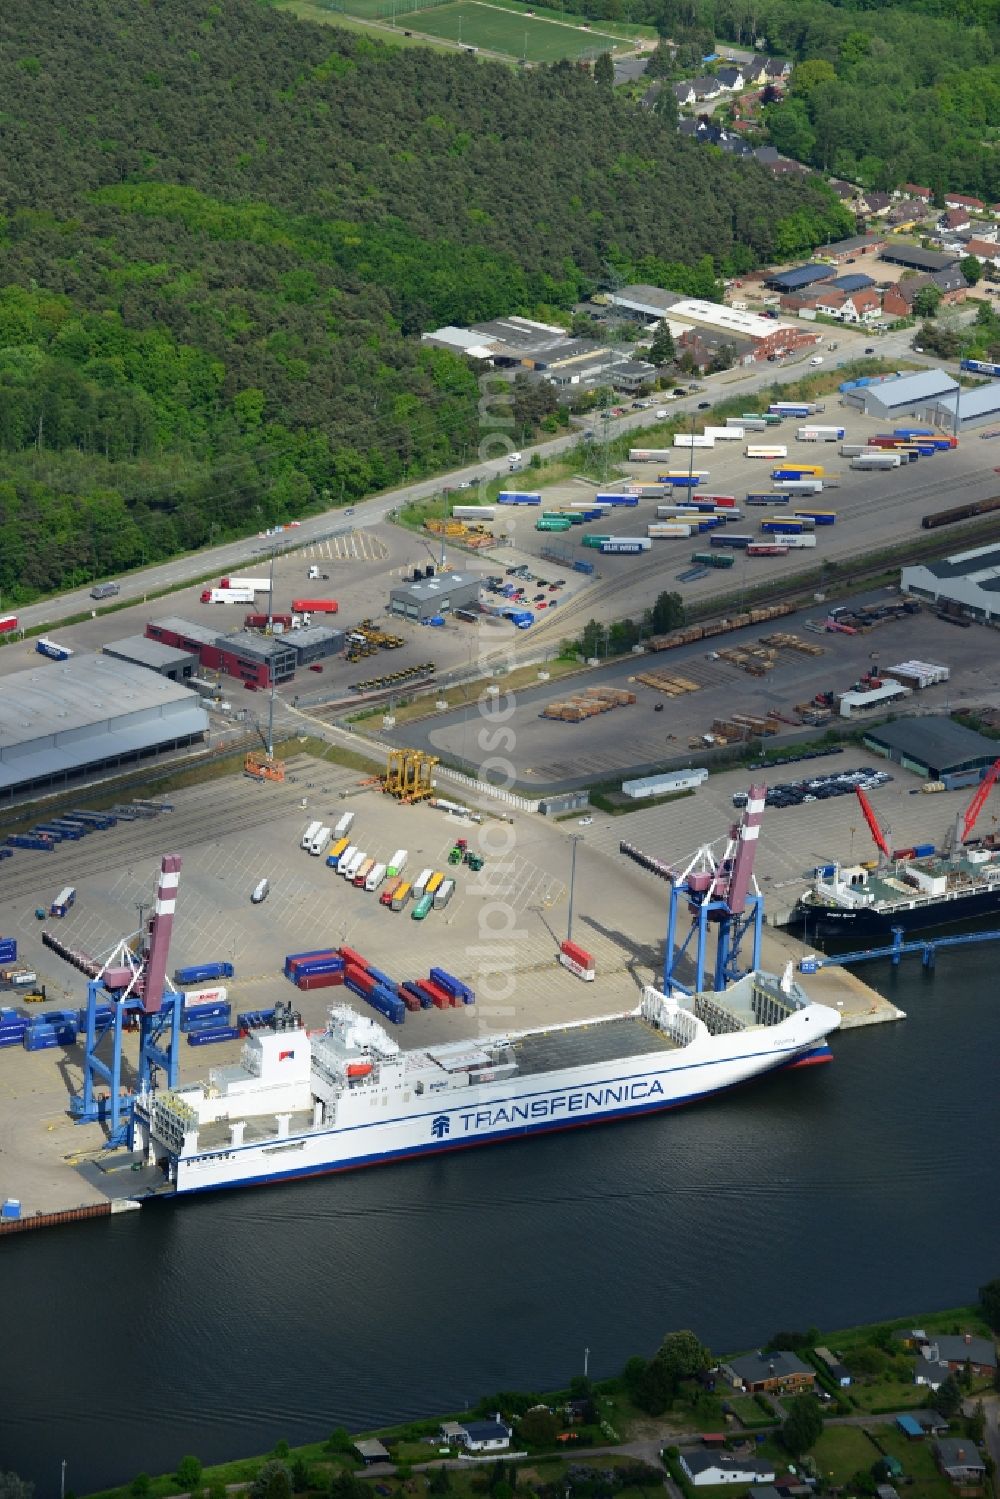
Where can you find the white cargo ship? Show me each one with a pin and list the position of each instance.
(300, 1105)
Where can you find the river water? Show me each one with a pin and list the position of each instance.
(831, 1196)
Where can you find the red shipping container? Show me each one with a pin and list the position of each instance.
(351, 957)
(358, 976)
(440, 996)
(319, 980)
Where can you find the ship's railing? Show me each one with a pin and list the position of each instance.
(718, 1017)
(663, 1012)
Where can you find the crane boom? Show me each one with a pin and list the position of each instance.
(746, 850)
(872, 821)
(978, 801)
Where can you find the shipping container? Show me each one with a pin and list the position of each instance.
(99, 820)
(801, 486)
(781, 524)
(196, 973)
(474, 512)
(558, 526)
(868, 462)
(52, 649)
(216, 994)
(735, 539)
(337, 851)
(212, 1037)
(397, 863)
(767, 549)
(747, 423)
(792, 470)
(518, 497)
(449, 983)
(693, 440)
(648, 455)
(626, 544)
(767, 499)
(421, 907)
(63, 901)
(349, 854)
(401, 895)
(255, 585)
(616, 500)
(713, 559)
(8, 624)
(433, 883)
(311, 830)
(795, 541)
(766, 450)
(818, 517)
(30, 840)
(322, 979)
(443, 894)
(667, 531)
(315, 606)
(420, 883)
(819, 434)
(344, 825)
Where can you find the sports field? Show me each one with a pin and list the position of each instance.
(475, 24)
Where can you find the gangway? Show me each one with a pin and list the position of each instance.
(898, 949)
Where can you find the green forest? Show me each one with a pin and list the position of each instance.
(906, 92)
(222, 231)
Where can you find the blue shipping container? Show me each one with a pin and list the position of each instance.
(381, 978)
(209, 1038)
(922, 850)
(8, 949)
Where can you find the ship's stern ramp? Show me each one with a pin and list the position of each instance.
(758, 1002)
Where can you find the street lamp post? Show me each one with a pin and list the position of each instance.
(62, 1480)
(574, 839)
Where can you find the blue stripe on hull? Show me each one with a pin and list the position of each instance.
(819, 1053)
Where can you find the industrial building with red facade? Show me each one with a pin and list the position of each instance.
(254, 659)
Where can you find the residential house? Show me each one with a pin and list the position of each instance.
(762, 1373)
(707, 1469)
(961, 200)
(913, 190)
(755, 71)
(911, 1428)
(958, 1350)
(954, 219)
(985, 250)
(704, 345)
(960, 1462)
(684, 93)
(845, 191)
(933, 1423)
(778, 70)
(706, 88)
(651, 95)
(905, 213)
(731, 79)
(477, 1436)
(840, 1373)
(875, 205)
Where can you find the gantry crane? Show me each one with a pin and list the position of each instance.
(722, 893)
(132, 985)
(965, 822)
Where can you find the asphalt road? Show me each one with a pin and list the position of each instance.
(232, 555)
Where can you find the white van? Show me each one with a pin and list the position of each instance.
(320, 841)
(816, 359)
(260, 892)
(310, 833)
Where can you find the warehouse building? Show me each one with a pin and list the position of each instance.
(64, 720)
(968, 409)
(967, 582)
(798, 278)
(433, 596)
(767, 336)
(918, 395)
(648, 302)
(916, 259)
(938, 748)
(170, 661)
(314, 643)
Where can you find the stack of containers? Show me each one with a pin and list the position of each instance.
(315, 970)
(8, 949)
(438, 997)
(56, 1028)
(209, 1016)
(12, 1028)
(373, 986)
(103, 1015)
(459, 991)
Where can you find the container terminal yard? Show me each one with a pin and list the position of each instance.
(501, 931)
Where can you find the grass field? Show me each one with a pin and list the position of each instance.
(324, 15)
(619, 29)
(475, 24)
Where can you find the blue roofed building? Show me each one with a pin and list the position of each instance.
(854, 281)
(491, 1435)
(911, 1428)
(799, 277)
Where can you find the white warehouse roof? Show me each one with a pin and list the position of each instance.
(61, 716)
(728, 319)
